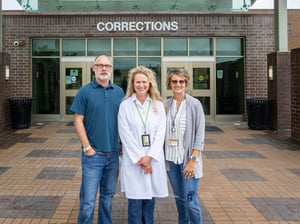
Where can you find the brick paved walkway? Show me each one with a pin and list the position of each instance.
(250, 176)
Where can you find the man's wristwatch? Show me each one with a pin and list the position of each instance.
(194, 158)
(85, 149)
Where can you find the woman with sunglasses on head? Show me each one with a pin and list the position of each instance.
(184, 143)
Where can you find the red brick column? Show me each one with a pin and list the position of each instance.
(4, 60)
(279, 93)
(295, 92)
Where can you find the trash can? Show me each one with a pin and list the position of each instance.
(20, 112)
(258, 113)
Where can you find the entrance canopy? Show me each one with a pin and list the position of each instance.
(269, 4)
(10, 5)
(136, 5)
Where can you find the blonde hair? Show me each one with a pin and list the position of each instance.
(153, 90)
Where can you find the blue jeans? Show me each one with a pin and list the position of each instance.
(141, 211)
(186, 195)
(98, 172)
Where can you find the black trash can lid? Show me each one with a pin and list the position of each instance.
(257, 100)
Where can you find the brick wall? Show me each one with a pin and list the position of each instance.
(294, 29)
(257, 28)
(4, 61)
(279, 92)
(2, 93)
(295, 92)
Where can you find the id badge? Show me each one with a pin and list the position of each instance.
(172, 142)
(146, 140)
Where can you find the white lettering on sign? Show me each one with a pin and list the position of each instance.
(137, 26)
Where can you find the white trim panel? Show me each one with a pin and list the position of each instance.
(188, 59)
(77, 59)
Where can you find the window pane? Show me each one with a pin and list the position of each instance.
(124, 47)
(69, 101)
(230, 85)
(73, 78)
(121, 69)
(45, 47)
(92, 74)
(45, 87)
(73, 47)
(155, 65)
(149, 47)
(201, 78)
(175, 47)
(233, 46)
(98, 46)
(205, 101)
(201, 46)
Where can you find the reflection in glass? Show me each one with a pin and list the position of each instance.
(155, 65)
(45, 47)
(201, 78)
(99, 46)
(124, 47)
(201, 46)
(205, 101)
(229, 73)
(149, 47)
(175, 47)
(92, 74)
(45, 86)
(230, 85)
(69, 101)
(73, 47)
(230, 46)
(121, 69)
(73, 78)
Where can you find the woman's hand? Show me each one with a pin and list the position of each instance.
(147, 170)
(189, 169)
(145, 164)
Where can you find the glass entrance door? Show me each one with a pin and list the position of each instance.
(201, 83)
(74, 75)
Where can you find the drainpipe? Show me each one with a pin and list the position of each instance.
(281, 25)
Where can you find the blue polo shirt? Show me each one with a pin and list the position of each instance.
(100, 105)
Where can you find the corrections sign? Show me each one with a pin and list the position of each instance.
(134, 26)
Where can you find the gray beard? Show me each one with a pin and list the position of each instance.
(103, 78)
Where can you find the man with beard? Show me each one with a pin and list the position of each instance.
(95, 110)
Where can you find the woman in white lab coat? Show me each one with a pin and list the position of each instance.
(142, 125)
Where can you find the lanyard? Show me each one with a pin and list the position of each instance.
(173, 118)
(143, 121)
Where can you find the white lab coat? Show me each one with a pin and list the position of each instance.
(134, 182)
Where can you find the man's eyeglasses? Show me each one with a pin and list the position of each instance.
(177, 81)
(102, 66)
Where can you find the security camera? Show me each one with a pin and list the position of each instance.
(16, 43)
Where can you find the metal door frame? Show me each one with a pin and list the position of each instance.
(67, 62)
(189, 63)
